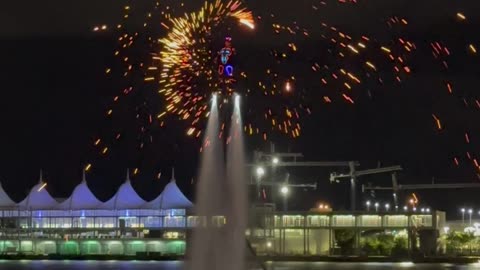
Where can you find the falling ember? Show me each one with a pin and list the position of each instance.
(385, 49)
(42, 187)
(472, 48)
(371, 66)
(449, 87)
(288, 87)
(247, 23)
(461, 16)
(437, 121)
(347, 98)
(88, 167)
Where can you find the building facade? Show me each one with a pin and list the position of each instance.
(128, 225)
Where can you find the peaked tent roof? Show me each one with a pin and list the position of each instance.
(38, 198)
(125, 198)
(81, 199)
(5, 200)
(171, 197)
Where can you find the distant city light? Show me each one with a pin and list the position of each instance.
(284, 190)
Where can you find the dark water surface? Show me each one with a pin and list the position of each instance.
(175, 265)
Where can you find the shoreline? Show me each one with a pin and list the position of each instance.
(267, 259)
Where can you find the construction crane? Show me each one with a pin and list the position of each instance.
(274, 161)
(423, 186)
(354, 174)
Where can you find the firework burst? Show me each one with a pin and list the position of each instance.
(284, 85)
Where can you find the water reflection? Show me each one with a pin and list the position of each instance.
(174, 265)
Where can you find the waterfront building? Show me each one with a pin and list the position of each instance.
(126, 224)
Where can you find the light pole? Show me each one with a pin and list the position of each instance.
(463, 216)
(376, 206)
(387, 207)
(405, 208)
(470, 211)
(368, 206)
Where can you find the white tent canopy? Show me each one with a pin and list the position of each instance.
(82, 198)
(38, 198)
(125, 198)
(172, 197)
(5, 200)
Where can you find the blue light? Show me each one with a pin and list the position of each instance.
(225, 55)
(229, 70)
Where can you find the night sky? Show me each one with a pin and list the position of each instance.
(55, 94)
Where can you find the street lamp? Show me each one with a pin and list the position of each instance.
(284, 190)
(470, 211)
(260, 172)
(463, 216)
(387, 206)
(275, 160)
(368, 205)
(405, 208)
(376, 206)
